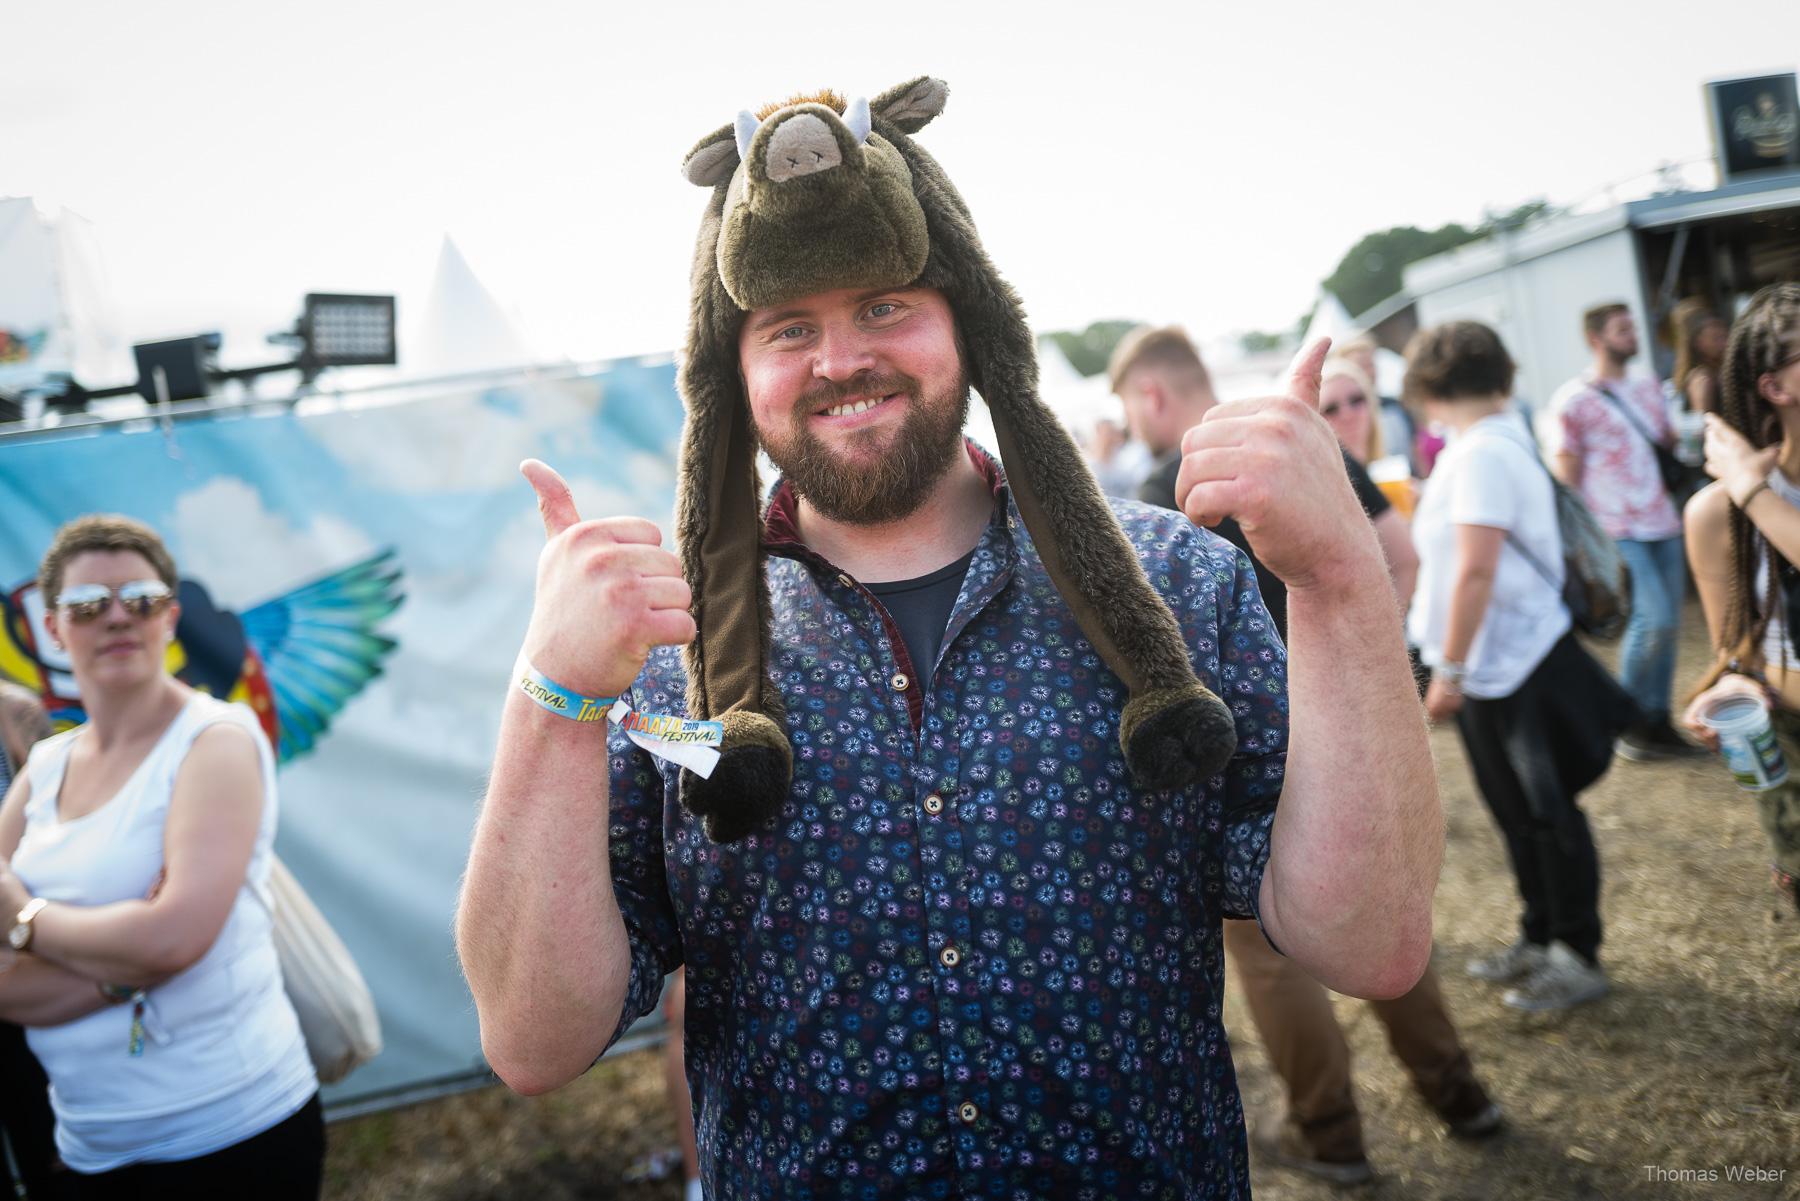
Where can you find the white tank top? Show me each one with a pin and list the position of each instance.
(1779, 653)
(223, 1058)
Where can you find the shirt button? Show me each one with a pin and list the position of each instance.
(949, 956)
(846, 581)
(968, 1113)
(934, 804)
(899, 681)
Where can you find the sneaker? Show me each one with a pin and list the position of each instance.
(1483, 1123)
(1668, 739)
(1287, 1149)
(1466, 1109)
(1514, 963)
(1636, 746)
(1565, 979)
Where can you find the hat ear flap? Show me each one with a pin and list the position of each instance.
(1174, 729)
(719, 539)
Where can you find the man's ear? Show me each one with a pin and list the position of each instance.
(1156, 397)
(50, 625)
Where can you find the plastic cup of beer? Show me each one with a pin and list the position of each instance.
(1393, 475)
(1747, 741)
(1690, 437)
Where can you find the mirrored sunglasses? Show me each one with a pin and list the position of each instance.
(1354, 401)
(141, 598)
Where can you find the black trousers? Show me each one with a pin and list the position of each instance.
(286, 1162)
(26, 1120)
(1531, 754)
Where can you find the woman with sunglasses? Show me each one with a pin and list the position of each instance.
(1743, 540)
(136, 912)
(1347, 403)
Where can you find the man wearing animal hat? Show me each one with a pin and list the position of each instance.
(958, 770)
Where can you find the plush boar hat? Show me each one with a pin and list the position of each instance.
(819, 195)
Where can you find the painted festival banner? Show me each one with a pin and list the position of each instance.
(359, 571)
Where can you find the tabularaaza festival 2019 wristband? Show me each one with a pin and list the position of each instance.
(679, 740)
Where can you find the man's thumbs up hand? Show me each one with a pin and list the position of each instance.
(606, 593)
(1276, 467)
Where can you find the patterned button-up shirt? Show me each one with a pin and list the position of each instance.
(969, 959)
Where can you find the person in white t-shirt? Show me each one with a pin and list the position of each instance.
(135, 852)
(1536, 714)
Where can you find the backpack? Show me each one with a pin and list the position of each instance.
(1596, 583)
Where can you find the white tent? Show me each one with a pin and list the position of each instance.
(464, 328)
(1077, 400)
(55, 314)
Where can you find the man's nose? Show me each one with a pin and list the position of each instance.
(843, 350)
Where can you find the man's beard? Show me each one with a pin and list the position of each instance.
(899, 479)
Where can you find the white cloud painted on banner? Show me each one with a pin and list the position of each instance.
(224, 536)
(466, 443)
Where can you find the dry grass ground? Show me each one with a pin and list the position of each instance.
(1692, 1064)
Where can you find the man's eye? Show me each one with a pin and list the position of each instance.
(884, 308)
(790, 333)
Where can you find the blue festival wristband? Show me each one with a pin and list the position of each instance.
(559, 700)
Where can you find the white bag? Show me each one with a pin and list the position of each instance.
(336, 1011)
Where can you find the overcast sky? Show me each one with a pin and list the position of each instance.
(1202, 162)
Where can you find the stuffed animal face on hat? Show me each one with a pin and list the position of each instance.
(815, 201)
(818, 195)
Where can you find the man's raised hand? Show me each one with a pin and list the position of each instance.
(1275, 466)
(606, 593)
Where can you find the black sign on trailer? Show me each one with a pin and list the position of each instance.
(1755, 126)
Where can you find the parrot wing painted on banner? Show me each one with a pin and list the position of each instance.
(318, 646)
(295, 659)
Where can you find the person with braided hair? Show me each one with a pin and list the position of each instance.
(1743, 537)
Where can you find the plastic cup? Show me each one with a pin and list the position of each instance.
(1393, 475)
(1747, 741)
(1690, 438)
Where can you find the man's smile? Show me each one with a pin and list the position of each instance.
(853, 408)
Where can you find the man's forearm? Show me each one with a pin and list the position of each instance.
(36, 992)
(1358, 835)
(537, 926)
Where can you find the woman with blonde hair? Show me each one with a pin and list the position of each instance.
(1699, 354)
(1347, 402)
(135, 852)
(1743, 540)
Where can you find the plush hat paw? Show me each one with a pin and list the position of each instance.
(1175, 737)
(749, 784)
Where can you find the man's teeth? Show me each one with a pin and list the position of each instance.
(860, 406)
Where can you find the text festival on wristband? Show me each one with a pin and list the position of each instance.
(678, 740)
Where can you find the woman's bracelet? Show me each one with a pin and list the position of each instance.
(1761, 485)
(563, 702)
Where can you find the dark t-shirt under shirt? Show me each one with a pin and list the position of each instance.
(1159, 489)
(921, 608)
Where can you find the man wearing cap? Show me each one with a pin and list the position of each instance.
(994, 758)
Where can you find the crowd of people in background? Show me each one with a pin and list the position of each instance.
(1477, 557)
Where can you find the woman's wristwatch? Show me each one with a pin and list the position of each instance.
(19, 937)
(1451, 673)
